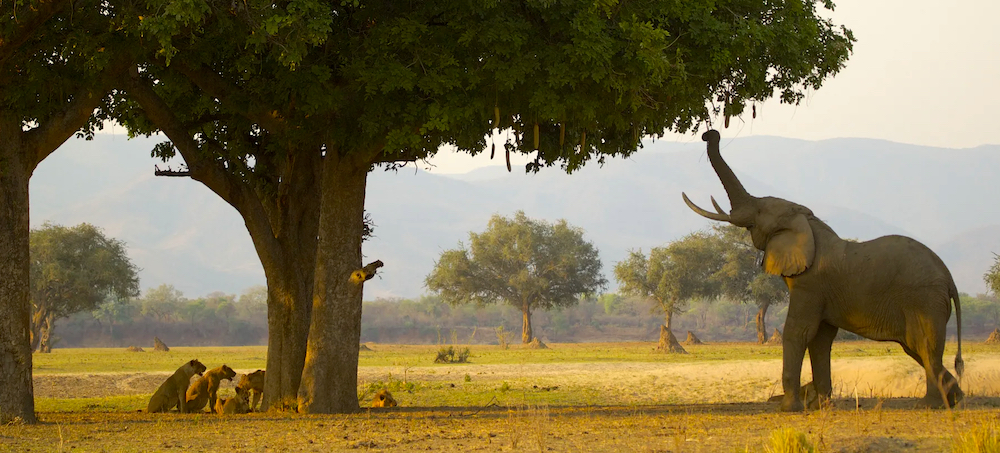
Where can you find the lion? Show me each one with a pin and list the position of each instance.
(253, 384)
(807, 394)
(206, 389)
(173, 391)
(235, 405)
(383, 399)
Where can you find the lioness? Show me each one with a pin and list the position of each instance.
(173, 391)
(383, 399)
(234, 405)
(252, 384)
(206, 389)
(807, 393)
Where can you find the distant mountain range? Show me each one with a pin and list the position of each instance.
(180, 233)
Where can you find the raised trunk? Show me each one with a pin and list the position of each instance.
(330, 377)
(526, 334)
(761, 327)
(737, 194)
(17, 401)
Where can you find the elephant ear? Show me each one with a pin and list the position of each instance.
(791, 250)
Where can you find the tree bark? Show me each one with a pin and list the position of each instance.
(38, 314)
(761, 326)
(526, 333)
(330, 377)
(283, 225)
(16, 391)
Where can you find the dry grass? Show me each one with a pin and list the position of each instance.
(575, 398)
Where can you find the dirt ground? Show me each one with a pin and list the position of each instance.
(701, 406)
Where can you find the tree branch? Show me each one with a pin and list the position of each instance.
(43, 11)
(217, 87)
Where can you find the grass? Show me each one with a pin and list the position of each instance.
(571, 397)
(117, 360)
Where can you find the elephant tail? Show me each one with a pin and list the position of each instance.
(959, 363)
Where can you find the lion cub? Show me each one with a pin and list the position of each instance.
(206, 389)
(234, 405)
(252, 384)
(172, 392)
(383, 399)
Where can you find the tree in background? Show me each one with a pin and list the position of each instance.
(72, 270)
(58, 59)
(528, 264)
(283, 109)
(742, 278)
(992, 276)
(672, 275)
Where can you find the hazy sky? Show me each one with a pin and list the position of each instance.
(922, 72)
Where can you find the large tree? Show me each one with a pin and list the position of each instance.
(72, 270)
(529, 264)
(743, 278)
(282, 110)
(670, 276)
(57, 63)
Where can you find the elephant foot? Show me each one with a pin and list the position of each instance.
(791, 405)
(933, 400)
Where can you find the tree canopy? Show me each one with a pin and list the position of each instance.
(72, 270)
(992, 276)
(529, 264)
(283, 109)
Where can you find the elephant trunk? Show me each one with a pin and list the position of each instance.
(738, 196)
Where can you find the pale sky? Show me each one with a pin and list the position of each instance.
(922, 72)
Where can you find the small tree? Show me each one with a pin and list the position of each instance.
(742, 278)
(73, 270)
(672, 275)
(992, 277)
(526, 263)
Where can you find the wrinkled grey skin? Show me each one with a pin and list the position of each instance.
(889, 289)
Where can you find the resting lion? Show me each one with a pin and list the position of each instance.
(807, 393)
(172, 392)
(252, 384)
(206, 389)
(383, 399)
(234, 405)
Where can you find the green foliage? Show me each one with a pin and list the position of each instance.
(451, 355)
(992, 276)
(522, 262)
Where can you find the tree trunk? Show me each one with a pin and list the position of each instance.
(289, 302)
(16, 391)
(526, 333)
(330, 377)
(761, 326)
(668, 319)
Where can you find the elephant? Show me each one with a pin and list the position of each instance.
(892, 288)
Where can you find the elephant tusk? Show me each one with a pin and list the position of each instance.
(717, 207)
(707, 214)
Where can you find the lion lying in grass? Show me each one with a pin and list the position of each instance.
(206, 389)
(173, 391)
(383, 399)
(252, 384)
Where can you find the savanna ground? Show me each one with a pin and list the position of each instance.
(571, 397)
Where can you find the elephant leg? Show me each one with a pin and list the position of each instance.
(801, 325)
(819, 357)
(927, 349)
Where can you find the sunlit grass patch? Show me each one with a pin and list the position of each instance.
(125, 403)
(984, 438)
(788, 440)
